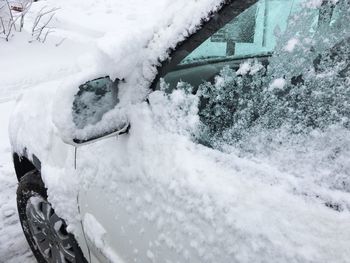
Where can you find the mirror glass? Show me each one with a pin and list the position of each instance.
(93, 100)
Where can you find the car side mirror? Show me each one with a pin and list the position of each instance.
(94, 99)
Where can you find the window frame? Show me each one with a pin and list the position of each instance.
(228, 11)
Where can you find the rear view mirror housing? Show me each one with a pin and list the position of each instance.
(94, 99)
(116, 132)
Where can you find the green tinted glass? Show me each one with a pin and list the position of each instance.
(250, 34)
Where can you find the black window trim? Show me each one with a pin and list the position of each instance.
(229, 10)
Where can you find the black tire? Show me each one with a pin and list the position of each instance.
(31, 186)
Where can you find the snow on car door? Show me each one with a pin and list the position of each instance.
(157, 195)
(127, 215)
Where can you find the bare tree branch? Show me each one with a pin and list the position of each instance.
(40, 30)
(11, 13)
(25, 9)
(9, 8)
(12, 16)
(59, 43)
(2, 25)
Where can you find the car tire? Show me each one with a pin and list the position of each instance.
(44, 230)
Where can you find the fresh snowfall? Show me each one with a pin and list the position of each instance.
(278, 192)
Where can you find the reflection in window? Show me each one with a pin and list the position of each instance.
(252, 33)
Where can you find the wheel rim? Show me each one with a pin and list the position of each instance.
(49, 232)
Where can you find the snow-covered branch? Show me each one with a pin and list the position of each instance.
(41, 28)
(12, 15)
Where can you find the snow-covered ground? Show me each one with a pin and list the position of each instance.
(13, 246)
(22, 66)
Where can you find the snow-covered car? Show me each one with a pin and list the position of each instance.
(207, 131)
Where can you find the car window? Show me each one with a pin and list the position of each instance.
(277, 61)
(249, 34)
(252, 34)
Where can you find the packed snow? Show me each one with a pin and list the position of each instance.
(291, 44)
(13, 245)
(272, 195)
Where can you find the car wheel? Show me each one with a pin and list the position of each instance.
(44, 230)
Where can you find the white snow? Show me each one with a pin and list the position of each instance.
(278, 83)
(243, 206)
(244, 68)
(249, 66)
(23, 66)
(85, 39)
(292, 43)
(13, 246)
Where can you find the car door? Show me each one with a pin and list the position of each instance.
(133, 205)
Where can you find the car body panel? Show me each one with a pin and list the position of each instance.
(142, 220)
(128, 211)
